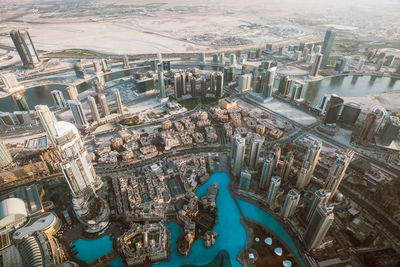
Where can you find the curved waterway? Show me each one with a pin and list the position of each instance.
(349, 86)
(41, 94)
(102, 247)
(231, 233)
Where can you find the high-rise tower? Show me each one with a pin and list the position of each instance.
(266, 172)
(237, 154)
(273, 190)
(58, 99)
(78, 171)
(5, 156)
(320, 197)
(103, 104)
(178, 85)
(245, 179)
(269, 82)
(319, 225)
(291, 202)
(256, 143)
(72, 93)
(26, 50)
(161, 83)
(309, 163)
(118, 101)
(78, 113)
(285, 83)
(287, 166)
(337, 171)
(219, 84)
(93, 109)
(327, 46)
(316, 65)
(21, 102)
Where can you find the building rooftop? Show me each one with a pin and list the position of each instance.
(35, 224)
(12, 210)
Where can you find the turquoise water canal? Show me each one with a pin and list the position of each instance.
(231, 233)
(90, 250)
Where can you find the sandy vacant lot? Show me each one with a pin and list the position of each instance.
(134, 27)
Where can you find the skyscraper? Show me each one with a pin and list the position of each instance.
(11, 83)
(26, 50)
(5, 156)
(316, 65)
(314, 149)
(309, 163)
(277, 154)
(303, 175)
(78, 113)
(58, 99)
(161, 83)
(244, 83)
(245, 179)
(232, 59)
(72, 93)
(333, 108)
(103, 104)
(80, 70)
(178, 86)
(125, 61)
(291, 202)
(266, 172)
(318, 49)
(285, 84)
(320, 198)
(319, 225)
(327, 46)
(391, 130)
(273, 190)
(105, 66)
(372, 123)
(93, 109)
(202, 57)
(269, 82)
(99, 86)
(361, 63)
(337, 171)
(97, 66)
(219, 84)
(203, 87)
(342, 64)
(237, 154)
(287, 166)
(118, 101)
(193, 86)
(296, 92)
(78, 171)
(21, 103)
(256, 143)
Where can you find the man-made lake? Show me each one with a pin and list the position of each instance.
(231, 233)
(90, 250)
(348, 86)
(41, 94)
(312, 92)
